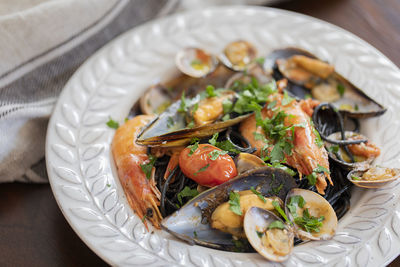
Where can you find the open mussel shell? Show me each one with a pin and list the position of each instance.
(169, 128)
(195, 62)
(238, 55)
(317, 206)
(333, 88)
(374, 177)
(192, 222)
(155, 100)
(342, 157)
(273, 244)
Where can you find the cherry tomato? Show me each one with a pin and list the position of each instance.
(201, 167)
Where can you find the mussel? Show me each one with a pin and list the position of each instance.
(351, 156)
(304, 205)
(195, 62)
(246, 162)
(192, 222)
(374, 177)
(274, 244)
(309, 75)
(238, 55)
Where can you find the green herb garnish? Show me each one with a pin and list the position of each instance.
(194, 234)
(279, 210)
(258, 194)
(260, 60)
(202, 169)
(318, 140)
(216, 153)
(340, 88)
(183, 107)
(147, 168)
(276, 224)
(355, 178)
(227, 105)
(234, 203)
(193, 148)
(187, 193)
(170, 122)
(225, 145)
(144, 218)
(334, 149)
(112, 124)
(260, 234)
(286, 99)
(308, 222)
(211, 91)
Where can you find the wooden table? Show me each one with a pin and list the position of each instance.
(33, 232)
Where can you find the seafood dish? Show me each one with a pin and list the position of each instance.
(247, 153)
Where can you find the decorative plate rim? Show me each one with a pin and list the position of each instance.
(80, 167)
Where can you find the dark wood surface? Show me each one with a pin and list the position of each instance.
(33, 232)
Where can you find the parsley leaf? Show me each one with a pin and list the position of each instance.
(340, 88)
(260, 60)
(334, 149)
(308, 222)
(227, 105)
(258, 194)
(211, 91)
(318, 140)
(312, 178)
(276, 224)
(170, 122)
(187, 192)
(225, 145)
(298, 200)
(202, 169)
(279, 210)
(321, 169)
(183, 107)
(112, 124)
(286, 99)
(193, 148)
(213, 140)
(216, 153)
(194, 234)
(147, 167)
(234, 203)
(355, 178)
(260, 234)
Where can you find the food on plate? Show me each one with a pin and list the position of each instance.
(229, 158)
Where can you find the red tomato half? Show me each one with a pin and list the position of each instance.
(203, 170)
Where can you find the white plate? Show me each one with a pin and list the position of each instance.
(81, 170)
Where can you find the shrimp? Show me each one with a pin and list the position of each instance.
(367, 149)
(142, 193)
(305, 155)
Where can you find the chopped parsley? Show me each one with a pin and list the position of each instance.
(238, 245)
(312, 178)
(195, 108)
(334, 149)
(193, 148)
(227, 105)
(318, 140)
(194, 234)
(108, 185)
(187, 193)
(147, 168)
(225, 145)
(112, 124)
(144, 218)
(216, 153)
(307, 96)
(211, 91)
(258, 194)
(126, 119)
(279, 210)
(183, 107)
(190, 124)
(356, 107)
(286, 99)
(234, 203)
(276, 224)
(355, 178)
(260, 60)
(195, 63)
(226, 117)
(306, 221)
(260, 234)
(340, 88)
(170, 122)
(202, 169)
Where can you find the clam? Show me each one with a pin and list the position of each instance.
(348, 157)
(253, 71)
(155, 100)
(274, 244)
(374, 177)
(246, 162)
(192, 222)
(302, 205)
(309, 75)
(238, 55)
(195, 62)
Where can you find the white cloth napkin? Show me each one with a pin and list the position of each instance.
(42, 43)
